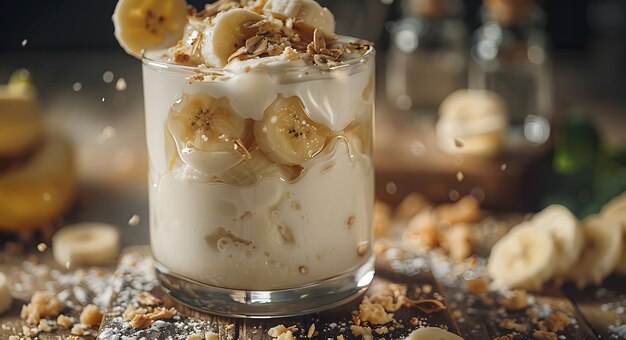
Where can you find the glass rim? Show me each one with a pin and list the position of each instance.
(166, 65)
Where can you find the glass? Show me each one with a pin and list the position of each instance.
(427, 58)
(272, 216)
(510, 57)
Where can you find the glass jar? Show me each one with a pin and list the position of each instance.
(510, 58)
(261, 184)
(427, 58)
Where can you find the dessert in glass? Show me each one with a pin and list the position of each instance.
(259, 127)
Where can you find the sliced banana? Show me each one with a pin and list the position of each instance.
(566, 232)
(601, 252)
(286, 133)
(21, 127)
(5, 294)
(524, 258)
(208, 134)
(616, 209)
(258, 167)
(39, 190)
(86, 244)
(309, 13)
(226, 34)
(432, 333)
(149, 24)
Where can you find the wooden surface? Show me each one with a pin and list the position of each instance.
(596, 310)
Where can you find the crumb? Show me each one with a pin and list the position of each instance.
(44, 326)
(65, 321)
(373, 313)
(147, 299)
(510, 324)
(381, 330)
(276, 331)
(211, 336)
(477, 286)
(42, 305)
(91, 316)
(557, 321)
(544, 335)
(364, 332)
(78, 330)
(518, 299)
(422, 231)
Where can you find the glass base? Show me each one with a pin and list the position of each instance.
(267, 304)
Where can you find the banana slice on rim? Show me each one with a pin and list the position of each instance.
(566, 232)
(86, 244)
(432, 333)
(286, 133)
(601, 252)
(5, 294)
(524, 258)
(226, 34)
(149, 24)
(208, 134)
(309, 13)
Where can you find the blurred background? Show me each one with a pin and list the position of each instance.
(557, 65)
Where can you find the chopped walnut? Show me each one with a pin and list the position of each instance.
(147, 299)
(518, 299)
(162, 313)
(42, 305)
(65, 321)
(381, 330)
(140, 321)
(276, 331)
(556, 321)
(512, 325)
(544, 335)
(386, 301)
(373, 313)
(91, 316)
(364, 332)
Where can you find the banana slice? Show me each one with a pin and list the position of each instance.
(227, 34)
(287, 135)
(207, 133)
(524, 258)
(309, 13)
(566, 232)
(616, 209)
(86, 244)
(5, 294)
(21, 127)
(601, 252)
(432, 333)
(258, 167)
(149, 24)
(39, 190)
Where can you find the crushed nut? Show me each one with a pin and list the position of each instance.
(364, 332)
(518, 299)
(91, 316)
(44, 326)
(65, 321)
(147, 299)
(544, 335)
(557, 321)
(42, 305)
(140, 321)
(373, 313)
(512, 325)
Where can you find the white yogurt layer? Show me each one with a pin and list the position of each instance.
(270, 235)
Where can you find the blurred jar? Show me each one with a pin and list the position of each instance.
(427, 59)
(510, 57)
